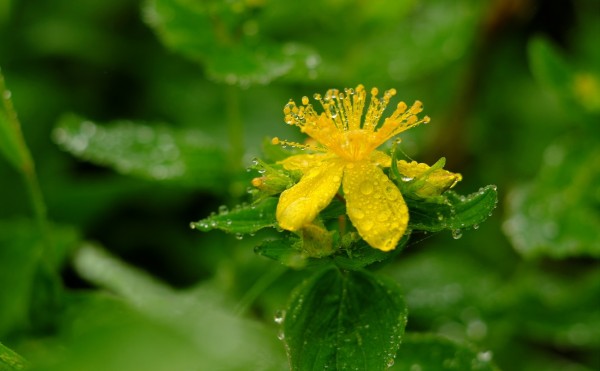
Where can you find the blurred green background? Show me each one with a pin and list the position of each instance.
(142, 117)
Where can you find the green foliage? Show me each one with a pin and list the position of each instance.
(10, 360)
(156, 152)
(344, 319)
(557, 215)
(431, 352)
(186, 91)
(227, 40)
(242, 219)
(452, 211)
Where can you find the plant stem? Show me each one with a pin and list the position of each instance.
(26, 166)
(263, 282)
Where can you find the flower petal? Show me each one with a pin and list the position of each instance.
(428, 182)
(304, 161)
(375, 205)
(300, 204)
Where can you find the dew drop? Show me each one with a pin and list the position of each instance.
(193, 225)
(406, 179)
(390, 193)
(223, 209)
(475, 226)
(281, 335)
(279, 317)
(239, 236)
(366, 187)
(390, 362)
(484, 356)
(358, 213)
(456, 234)
(367, 226)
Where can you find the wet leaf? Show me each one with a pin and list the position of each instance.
(226, 39)
(241, 219)
(156, 152)
(192, 327)
(434, 352)
(9, 360)
(577, 90)
(452, 211)
(557, 215)
(342, 320)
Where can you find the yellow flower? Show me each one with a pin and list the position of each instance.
(346, 145)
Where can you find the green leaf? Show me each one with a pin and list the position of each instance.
(574, 88)
(357, 255)
(225, 38)
(9, 360)
(21, 253)
(452, 211)
(433, 352)
(557, 215)
(200, 319)
(344, 319)
(156, 152)
(241, 219)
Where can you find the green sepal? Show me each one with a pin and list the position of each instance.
(243, 219)
(451, 210)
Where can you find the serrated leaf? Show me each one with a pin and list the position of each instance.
(452, 211)
(557, 214)
(342, 320)
(242, 219)
(10, 360)
(213, 33)
(157, 152)
(433, 352)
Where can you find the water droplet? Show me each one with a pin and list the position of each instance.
(366, 187)
(440, 217)
(7, 94)
(193, 225)
(239, 236)
(456, 234)
(281, 335)
(475, 226)
(279, 317)
(390, 362)
(223, 209)
(485, 356)
(357, 213)
(367, 225)
(406, 178)
(391, 192)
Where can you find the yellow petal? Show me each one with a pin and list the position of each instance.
(304, 161)
(374, 205)
(381, 159)
(428, 182)
(300, 204)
